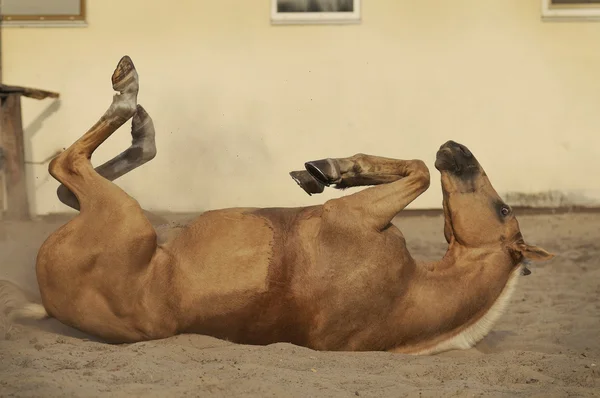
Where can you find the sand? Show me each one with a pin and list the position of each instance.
(546, 345)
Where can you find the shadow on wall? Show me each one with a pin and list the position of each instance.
(315, 5)
(28, 133)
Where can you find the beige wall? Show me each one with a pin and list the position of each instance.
(238, 103)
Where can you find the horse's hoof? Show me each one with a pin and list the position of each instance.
(125, 76)
(325, 171)
(307, 182)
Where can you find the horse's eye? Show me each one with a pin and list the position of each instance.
(505, 210)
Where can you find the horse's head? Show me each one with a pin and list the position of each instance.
(475, 215)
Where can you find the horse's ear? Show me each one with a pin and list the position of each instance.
(530, 252)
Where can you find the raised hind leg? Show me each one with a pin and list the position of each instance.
(95, 272)
(142, 150)
(399, 182)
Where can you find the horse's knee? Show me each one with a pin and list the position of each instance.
(419, 166)
(420, 171)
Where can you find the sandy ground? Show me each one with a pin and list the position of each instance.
(546, 345)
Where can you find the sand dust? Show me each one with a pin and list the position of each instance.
(546, 345)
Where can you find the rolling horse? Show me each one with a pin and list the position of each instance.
(336, 276)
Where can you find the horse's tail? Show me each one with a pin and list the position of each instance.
(15, 305)
(32, 311)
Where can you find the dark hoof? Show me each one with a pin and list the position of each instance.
(326, 171)
(124, 75)
(307, 182)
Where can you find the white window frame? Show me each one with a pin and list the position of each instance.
(46, 20)
(570, 12)
(296, 18)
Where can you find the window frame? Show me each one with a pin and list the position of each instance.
(570, 11)
(309, 18)
(46, 20)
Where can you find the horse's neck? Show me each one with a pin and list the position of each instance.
(458, 300)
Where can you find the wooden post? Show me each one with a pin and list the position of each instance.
(2, 174)
(14, 203)
(1, 43)
(13, 149)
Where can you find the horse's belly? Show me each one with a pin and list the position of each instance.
(223, 260)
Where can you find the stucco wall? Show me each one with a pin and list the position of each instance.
(238, 103)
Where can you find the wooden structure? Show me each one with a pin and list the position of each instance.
(13, 185)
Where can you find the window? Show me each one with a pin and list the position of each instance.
(315, 11)
(42, 12)
(571, 10)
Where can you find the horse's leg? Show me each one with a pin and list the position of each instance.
(92, 272)
(142, 150)
(399, 183)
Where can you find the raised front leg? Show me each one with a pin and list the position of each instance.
(399, 182)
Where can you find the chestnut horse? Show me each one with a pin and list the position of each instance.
(337, 276)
